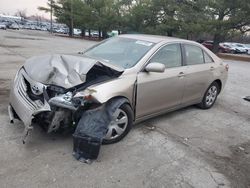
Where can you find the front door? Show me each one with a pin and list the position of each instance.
(161, 91)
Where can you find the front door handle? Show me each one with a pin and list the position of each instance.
(181, 74)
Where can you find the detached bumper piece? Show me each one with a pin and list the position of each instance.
(91, 130)
(86, 148)
(247, 98)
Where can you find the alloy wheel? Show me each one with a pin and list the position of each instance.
(211, 95)
(118, 125)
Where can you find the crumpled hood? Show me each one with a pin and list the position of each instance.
(62, 70)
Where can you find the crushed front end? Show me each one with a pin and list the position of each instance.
(29, 102)
(51, 105)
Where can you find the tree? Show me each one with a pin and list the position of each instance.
(105, 15)
(221, 17)
(51, 7)
(191, 19)
(63, 11)
(22, 13)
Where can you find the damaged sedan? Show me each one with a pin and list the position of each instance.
(151, 75)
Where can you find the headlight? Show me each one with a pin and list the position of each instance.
(63, 101)
(86, 94)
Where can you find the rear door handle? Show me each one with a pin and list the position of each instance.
(212, 68)
(181, 74)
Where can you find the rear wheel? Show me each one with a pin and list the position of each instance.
(210, 96)
(233, 52)
(120, 125)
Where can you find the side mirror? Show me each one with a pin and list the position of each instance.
(155, 67)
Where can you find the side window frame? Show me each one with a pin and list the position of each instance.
(205, 53)
(163, 46)
(184, 54)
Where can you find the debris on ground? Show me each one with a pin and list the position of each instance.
(247, 98)
(91, 130)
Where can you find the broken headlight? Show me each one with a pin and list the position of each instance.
(86, 94)
(83, 97)
(71, 102)
(63, 101)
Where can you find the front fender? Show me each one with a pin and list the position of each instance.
(120, 87)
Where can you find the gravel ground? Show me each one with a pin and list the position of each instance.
(187, 148)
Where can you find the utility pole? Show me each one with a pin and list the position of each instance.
(51, 12)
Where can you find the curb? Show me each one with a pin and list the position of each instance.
(234, 57)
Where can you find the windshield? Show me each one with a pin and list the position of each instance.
(123, 52)
(239, 45)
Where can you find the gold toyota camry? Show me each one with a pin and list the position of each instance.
(151, 74)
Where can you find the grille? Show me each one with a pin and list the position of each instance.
(22, 91)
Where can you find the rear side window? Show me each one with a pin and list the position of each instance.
(207, 58)
(194, 55)
(169, 55)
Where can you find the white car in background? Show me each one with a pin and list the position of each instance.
(14, 26)
(239, 48)
(247, 46)
(77, 31)
(3, 26)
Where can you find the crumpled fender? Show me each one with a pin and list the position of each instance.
(120, 87)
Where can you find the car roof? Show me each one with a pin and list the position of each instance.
(153, 38)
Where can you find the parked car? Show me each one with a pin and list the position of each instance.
(227, 48)
(153, 74)
(208, 44)
(3, 26)
(14, 26)
(77, 31)
(26, 26)
(245, 47)
(44, 29)
(32, 27)
(222, 47)
(62, 30)
(248, 48)
(6, 23)
(94, 34)
(238, 48)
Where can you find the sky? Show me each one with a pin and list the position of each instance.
(11, 6)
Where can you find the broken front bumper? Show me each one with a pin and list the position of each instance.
(21, 103)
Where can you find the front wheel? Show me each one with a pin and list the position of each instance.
(210, 96)
(120, 125)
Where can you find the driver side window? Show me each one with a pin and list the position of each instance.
(169, 55)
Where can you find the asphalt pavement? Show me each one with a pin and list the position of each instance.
(186, 148)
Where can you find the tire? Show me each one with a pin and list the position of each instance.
(124, 110)
(210, 96)
(233, 52)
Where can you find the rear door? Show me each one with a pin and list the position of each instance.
(160, 91)
(199, 73)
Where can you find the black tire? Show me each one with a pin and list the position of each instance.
(127, 109)
(204, 104)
